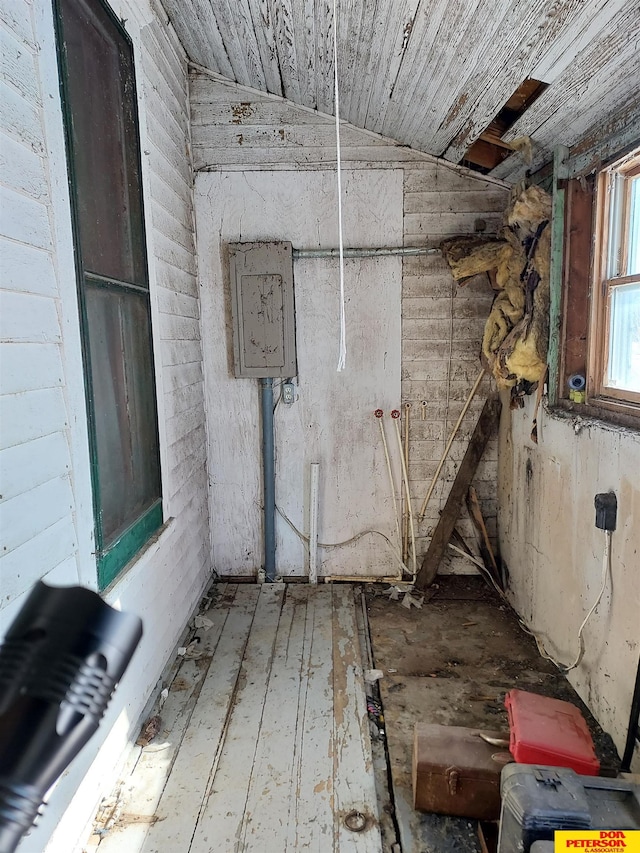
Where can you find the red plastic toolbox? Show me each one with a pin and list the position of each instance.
(548, 731)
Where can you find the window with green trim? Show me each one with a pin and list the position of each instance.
(103, 153)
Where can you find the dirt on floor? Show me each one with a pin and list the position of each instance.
(451, 662)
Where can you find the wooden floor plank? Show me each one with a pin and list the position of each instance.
(185, 791)
(143, 789)
(275, 755)
(353, 762)
(311, 789)
(221, 823)
(275, 751)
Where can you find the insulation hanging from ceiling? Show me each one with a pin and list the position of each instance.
(516, 335)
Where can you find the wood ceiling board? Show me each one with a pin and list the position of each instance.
(350, 23)
(197, 28)
(492, 69)
(240, 45)
(213, 41)
(283, 18)
(304, 49)
(604, 140)
(389, 38)
(240, 18)
(512, 59)
(429, 73)
(413, 68)
(394, 47)
(464, 51)
(325, 97)
(262, 19)
(617, 98)
(362, 82)
(562, 54)
(611, 57)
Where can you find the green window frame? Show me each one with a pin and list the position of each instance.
(99, 100)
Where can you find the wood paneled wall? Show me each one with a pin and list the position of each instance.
(239, 129)
(47, 517)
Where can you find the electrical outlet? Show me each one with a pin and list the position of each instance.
(288, 393)
(606, 510)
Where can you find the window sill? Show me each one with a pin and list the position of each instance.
(600, 415)
(147, 552)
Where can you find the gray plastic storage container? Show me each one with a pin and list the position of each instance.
(538, 800)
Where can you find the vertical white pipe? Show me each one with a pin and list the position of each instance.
(314, 496)
(379, 414)
(405, 478)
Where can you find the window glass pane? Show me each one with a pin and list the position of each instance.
(633, 245)
(624, 338)
(105, 142)
(124, 406)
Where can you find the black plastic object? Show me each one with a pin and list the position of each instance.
(606, 505)
(538, 800)
(535, 802)
(60, 662)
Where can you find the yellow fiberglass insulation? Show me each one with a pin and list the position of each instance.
(517, 330)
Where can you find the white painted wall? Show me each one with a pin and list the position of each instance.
(554, 552)
(331, 421)
(267, 171)
(46, 512)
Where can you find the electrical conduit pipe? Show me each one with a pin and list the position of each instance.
(314, 492)
(269, 480)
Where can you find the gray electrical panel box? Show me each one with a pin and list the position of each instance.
(264, 340)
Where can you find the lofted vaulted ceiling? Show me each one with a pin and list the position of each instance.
(431, 74)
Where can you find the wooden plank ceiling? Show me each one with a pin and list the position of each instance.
(431, 74)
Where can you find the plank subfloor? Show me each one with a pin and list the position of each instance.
(266, 746)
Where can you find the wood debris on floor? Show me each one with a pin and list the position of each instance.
(264, 743)
(451, 663)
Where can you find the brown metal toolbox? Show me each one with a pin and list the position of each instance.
(457, 772)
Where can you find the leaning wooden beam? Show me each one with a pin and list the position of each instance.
(487, 423)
